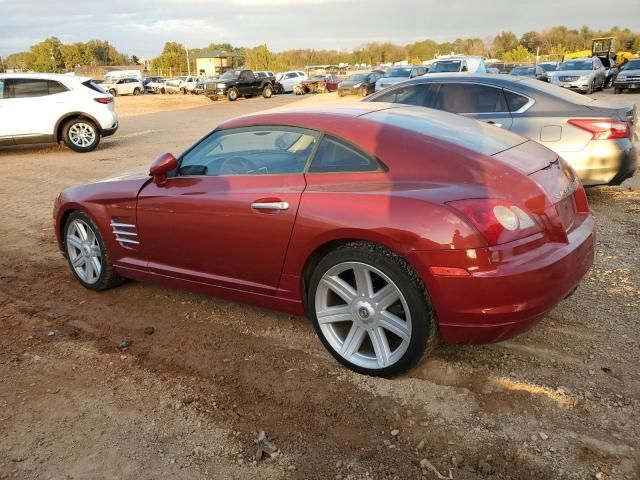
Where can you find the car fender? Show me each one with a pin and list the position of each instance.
(57, 131)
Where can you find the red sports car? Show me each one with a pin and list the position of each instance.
(387, 225)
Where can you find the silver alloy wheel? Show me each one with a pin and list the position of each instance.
(363, 315)
(84, 252)
(82, 134)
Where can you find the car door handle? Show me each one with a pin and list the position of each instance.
(270, 205)
(499, 125)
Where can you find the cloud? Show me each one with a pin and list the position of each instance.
(142, 27)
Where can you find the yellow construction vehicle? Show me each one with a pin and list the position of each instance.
(603, 48)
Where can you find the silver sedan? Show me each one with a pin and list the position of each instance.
(594, 136)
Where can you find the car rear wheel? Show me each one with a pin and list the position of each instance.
(81, 135)
(232, 95)
(267, 91)
(370, 309)
(113, 92)
(364, 92)
(136, 91)
(88, 258)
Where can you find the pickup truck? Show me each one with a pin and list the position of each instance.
(239, 83)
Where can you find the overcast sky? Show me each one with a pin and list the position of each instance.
(141, 27)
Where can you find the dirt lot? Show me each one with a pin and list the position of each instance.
(188, 401)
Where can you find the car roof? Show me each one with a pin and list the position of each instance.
(46, 76)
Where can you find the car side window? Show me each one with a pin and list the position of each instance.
(515, 101)
(471, 98)
(417, 94)
(265, 150)
(291, 75)
(335, 156)
(26, 88)
(2, 91)
(56, 87)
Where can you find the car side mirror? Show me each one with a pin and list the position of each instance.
(161, 166)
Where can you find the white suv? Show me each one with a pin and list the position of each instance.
(288, 80)
(123, 86)
(43, 108)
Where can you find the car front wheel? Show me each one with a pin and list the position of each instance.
(370, 309)
(232, 95)
(267, 91)
(88, 258)
(81, 135)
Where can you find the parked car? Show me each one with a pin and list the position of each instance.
(399, 74)
(44, 108)
(466, 64)
(389, 226)
(534, 71)
(549, 66)
(205, 83)
(628, 77)
(359, 84)
(149, 80)
(241, 83)
(594, 136)
(326, 82)
(184, 84)
(157, 86)
(123, 86)
(581, 74)
(285, 82)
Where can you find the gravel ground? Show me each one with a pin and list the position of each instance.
(190, 400)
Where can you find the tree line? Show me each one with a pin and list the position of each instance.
(52, 55)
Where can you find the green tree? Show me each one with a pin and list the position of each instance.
(71, 56)
(503, 42)
(47, 56)
(531, 41)
(172, 60)
(518, 55)
(19, 61)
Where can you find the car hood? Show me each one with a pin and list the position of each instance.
(141, 172)
(632, 73)
(391, 80)
(351, 83)
(573, 73)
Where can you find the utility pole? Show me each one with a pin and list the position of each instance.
(2, 62)
(188, 62)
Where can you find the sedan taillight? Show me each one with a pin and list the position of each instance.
(104, 100)
(499, 221)
(603, 128)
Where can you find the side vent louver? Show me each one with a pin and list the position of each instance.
(125, 233)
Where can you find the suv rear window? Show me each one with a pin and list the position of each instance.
(96, 88)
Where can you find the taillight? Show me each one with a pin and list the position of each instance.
(580, 197)
(104, 100)
(603, 128)
(499, 221)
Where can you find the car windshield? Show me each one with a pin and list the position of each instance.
(632, 65)
(548, 67)
(357, 77)
(230, 75)
(449, 66)
(577, 65)
(398, 73)
(525, 71)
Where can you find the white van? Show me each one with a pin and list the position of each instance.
(458, 64)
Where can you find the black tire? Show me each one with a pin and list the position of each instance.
(71, 135)
(267, 91)
(183, 91)
(340, 94)
(233, 94)
(364, 92)
(136, 91)
(163, 90)
(108, 277)
(113, 92)
(617, 91)
(423, 334)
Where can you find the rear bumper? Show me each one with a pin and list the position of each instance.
(604, 162)
(107, 132)
(498, 302)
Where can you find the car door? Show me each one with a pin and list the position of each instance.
(486, 103)
(6, 116)
(247, 83)
(290, 80)
(226, 216)
(24, 97)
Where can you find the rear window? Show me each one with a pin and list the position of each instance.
(92, 86)
(335, 156)
(515, 101)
